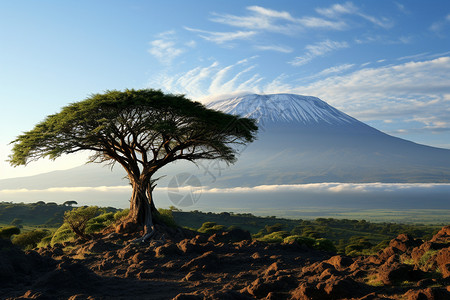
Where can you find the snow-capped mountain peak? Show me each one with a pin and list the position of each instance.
(283, 108)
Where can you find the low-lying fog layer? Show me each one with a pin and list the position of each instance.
(297, 201)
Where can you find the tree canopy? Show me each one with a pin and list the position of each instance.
(142, 130)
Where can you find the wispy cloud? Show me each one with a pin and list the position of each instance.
(222, 37)
(77, 189)
(318, 49)
(213, 80)
(164, 48)
(440, 25)
(265, 19)
(277, 48)
(348, 8)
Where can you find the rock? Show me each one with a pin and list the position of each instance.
(207, 261)
(261, 288)
(193, 276)
(443, 236)
(443, 261)
(228, 295)
(188, 296)
(272, 269)
(127, 251)
(137, 258)
(346, 287)
(428, 294)
(308, 292)
(404, 243)
(168, 249)
(393, 273)
(340, 262)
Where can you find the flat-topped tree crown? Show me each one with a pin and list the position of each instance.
(142, 130)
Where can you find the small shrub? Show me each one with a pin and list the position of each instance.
(301, 240)
(7, 232)
(324, 244)
(165, 216)
(29, 240)
(78, 218)
(275, 237)
(45, 242)
(121, 214)
(211, 228)
(274, 228)
(62, 234)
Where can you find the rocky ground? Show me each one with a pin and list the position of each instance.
(223, 266)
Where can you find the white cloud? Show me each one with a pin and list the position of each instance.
(282, 49)
(337, 10)
(164, 48)
(440, 25)
(222, 37)
(264, 19)
(348, 8)
(318, 49)
(78, 189)
(336, 69)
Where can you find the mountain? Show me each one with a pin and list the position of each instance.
(301, 139)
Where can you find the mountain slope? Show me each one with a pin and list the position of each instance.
(301, 139)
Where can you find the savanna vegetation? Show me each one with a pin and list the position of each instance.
(63, 223)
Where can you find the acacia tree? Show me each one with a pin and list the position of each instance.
(142, 130)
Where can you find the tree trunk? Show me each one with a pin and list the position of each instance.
(141, 211)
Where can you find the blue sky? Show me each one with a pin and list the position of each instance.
(386, 63)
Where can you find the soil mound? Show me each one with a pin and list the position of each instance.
(188, 265)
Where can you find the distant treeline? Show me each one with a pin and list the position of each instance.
(352, 237)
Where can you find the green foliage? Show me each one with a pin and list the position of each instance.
(301, 240)
(325, 245)
(275, 237)
(121, 214)
(46, 241)
(7, 232)
(78, 218)
(211, 228)
(29, 240)
(94, 123)
(165, 216)
(62, 234)
(274, 228)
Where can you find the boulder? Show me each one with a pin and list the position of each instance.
(428, 294)
(340, 262)
(390, 274)
(168, 249)
(207, 261)
(443, 236)
(404, 243)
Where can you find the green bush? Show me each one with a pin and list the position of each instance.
(120, 214)
(211, 228)
(45, 241)
(7, 232)
(301, 240)
(324, 244)
(29, 240)
(165, 216)
(275, 237)
(62, 234)
(274, 228)
(78, 218)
